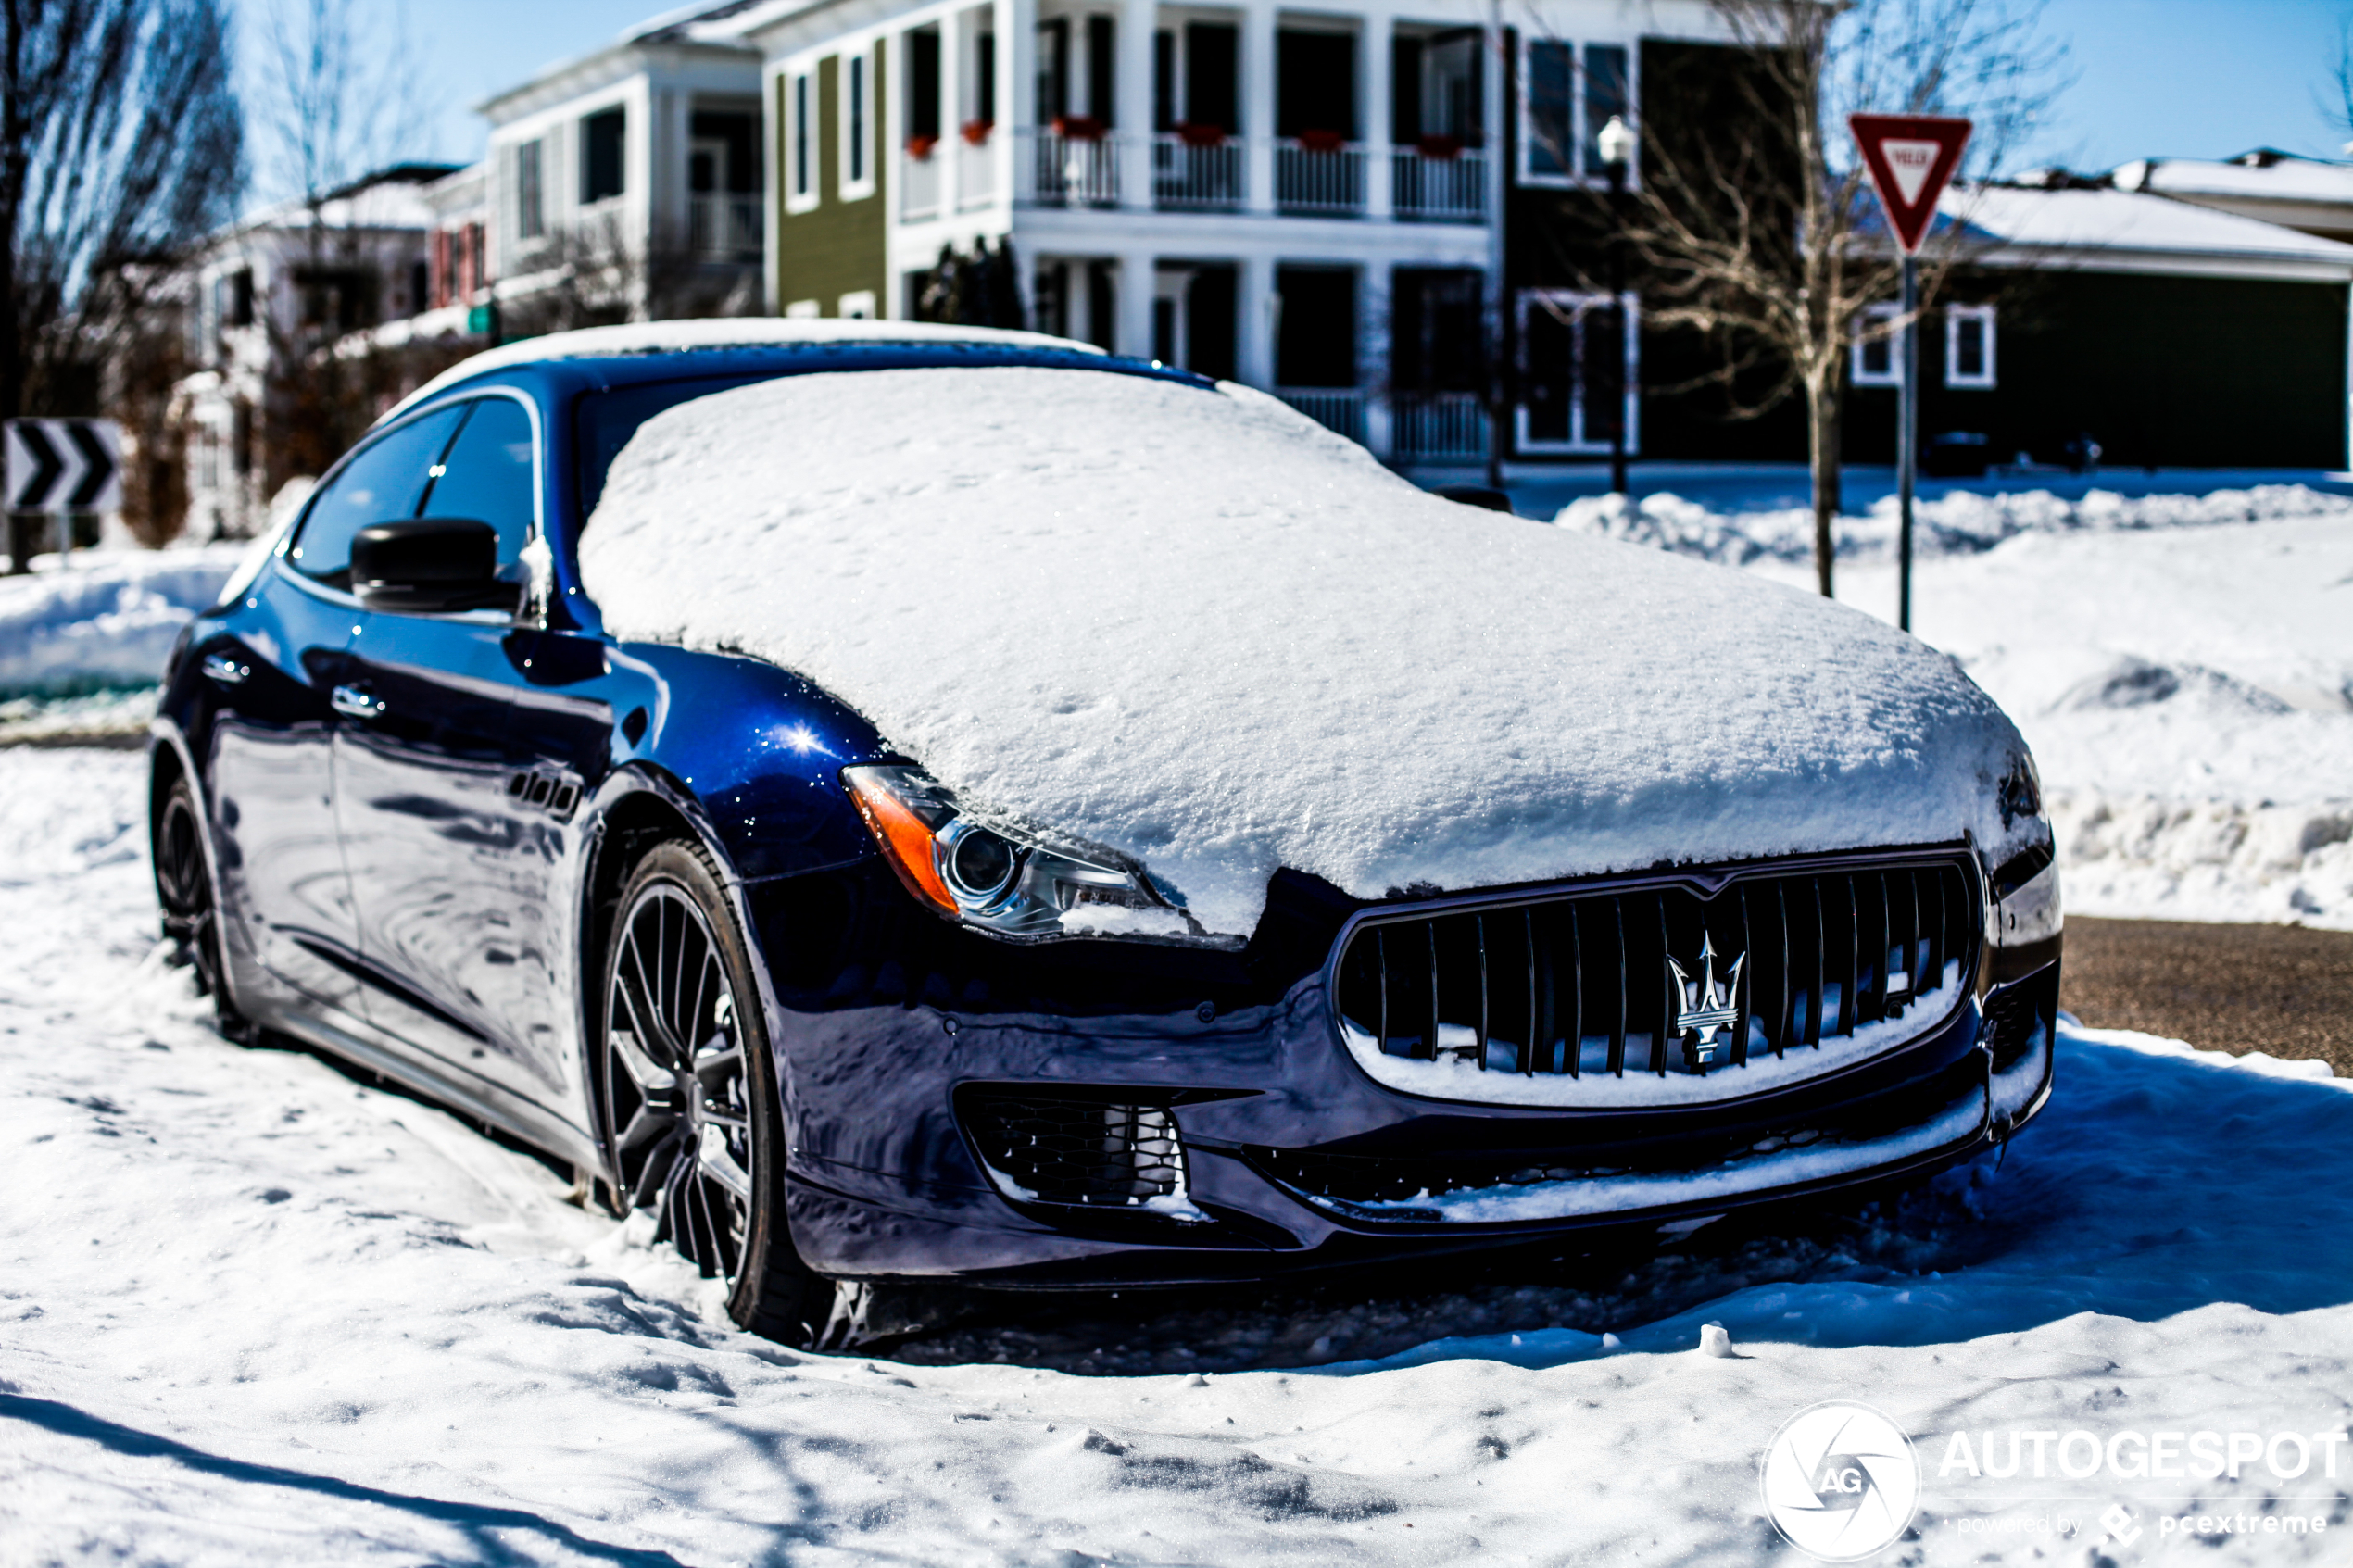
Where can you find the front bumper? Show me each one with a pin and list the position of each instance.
(1292, 1158)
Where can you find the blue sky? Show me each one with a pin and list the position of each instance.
(2165, 78)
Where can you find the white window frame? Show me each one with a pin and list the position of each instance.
(1579, 178)
(531, 188)
(1954, 316)
(857, 147)
(1533, 300)
(1856, 374)
(858, 306)
(802, 119)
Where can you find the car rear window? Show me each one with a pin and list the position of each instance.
(603, 422)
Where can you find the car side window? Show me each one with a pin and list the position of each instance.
(383, 484)
(489, 475)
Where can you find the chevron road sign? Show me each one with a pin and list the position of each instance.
(64, 466)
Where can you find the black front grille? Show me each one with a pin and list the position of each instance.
(1072, 1150)
(1581, 983)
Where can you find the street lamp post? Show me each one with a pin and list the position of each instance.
(1616, 147)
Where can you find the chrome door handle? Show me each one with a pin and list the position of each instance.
(221, 670)
(356, 702)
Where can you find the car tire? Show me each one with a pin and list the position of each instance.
(686, 1093)
(190, 906)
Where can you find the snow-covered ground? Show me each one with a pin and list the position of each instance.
(102, 620)
(2182, 664)
(253, 1311)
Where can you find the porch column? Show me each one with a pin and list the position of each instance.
(1254, 323)
(1016, 22)
(1377, 106)
(1375, 306)
(947, 157)
(1258, 106)
(1133, 92)
(1134, 308)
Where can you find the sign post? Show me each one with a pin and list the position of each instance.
(60, 467)
(1910, 158)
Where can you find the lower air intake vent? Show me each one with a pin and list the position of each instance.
(2021, 1017)
(1042, 1148)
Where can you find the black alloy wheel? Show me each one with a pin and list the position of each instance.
(191, 912)
(688, 1098)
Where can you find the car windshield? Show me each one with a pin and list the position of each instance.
(603, 422)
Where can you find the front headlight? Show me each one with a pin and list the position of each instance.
(2023, 891)
(1009, 880)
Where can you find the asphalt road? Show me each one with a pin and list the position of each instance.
(2284, 989)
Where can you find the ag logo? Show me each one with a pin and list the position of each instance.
(1841, 1481)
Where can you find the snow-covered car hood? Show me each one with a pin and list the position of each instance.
(1198, 628)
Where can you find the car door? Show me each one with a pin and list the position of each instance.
(282, 683)
(439, 825)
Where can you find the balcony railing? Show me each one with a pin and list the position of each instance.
(1195, 173)
(724, 228)
(1201, 174)
(1438, 427)
(975, 169)
(919, 182)
(1443, 190)
(1338, 410)
(1319, 180)
(1070, 171)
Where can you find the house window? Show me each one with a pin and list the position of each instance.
(531, 207)
(1968, 346)
(1874, 363)
(603, 135)
(857, 124)
(1568, 93)
(1578, 371)
(801, 143)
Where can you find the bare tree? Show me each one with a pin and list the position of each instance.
(1752, 223)
(121, 143)
(345, 95)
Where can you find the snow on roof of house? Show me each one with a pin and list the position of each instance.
(2283, 178)
(1193, 626)
(723, 23)
(724, 332)
(2100, 227)
(389, 198)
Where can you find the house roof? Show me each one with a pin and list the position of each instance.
(2104, 229)
(389, 198)
(2262, 174)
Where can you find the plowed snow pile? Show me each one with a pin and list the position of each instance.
(254, 1312)
(2182, 665)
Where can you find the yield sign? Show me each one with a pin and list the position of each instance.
(1911, 158)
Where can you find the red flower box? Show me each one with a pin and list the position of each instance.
(919, 147)
(1194, 135)
(975, 131)
(1078, 128)
(1446, 149)
(1323, 141)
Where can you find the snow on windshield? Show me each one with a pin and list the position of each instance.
(1196, 627)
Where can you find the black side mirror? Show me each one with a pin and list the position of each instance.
(429, 567)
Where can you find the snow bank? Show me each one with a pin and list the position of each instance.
(255, 1313)
(1960, 523)
(103, 619)
(1198, 628)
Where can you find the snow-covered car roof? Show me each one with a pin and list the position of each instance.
(718, 332)
(1191, 625)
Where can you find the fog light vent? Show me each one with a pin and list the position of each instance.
(1042, 1150)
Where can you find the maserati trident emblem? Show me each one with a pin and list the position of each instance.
(1704, 1007)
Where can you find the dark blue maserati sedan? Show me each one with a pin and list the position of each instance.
(901, 803)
